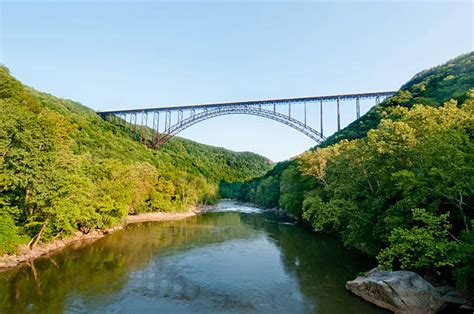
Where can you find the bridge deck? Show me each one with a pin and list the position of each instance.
(256, 102)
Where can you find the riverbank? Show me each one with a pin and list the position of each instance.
(25, 254)
(158, 217)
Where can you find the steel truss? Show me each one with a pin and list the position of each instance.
(246, 110)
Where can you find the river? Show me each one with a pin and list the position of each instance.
(236, 259)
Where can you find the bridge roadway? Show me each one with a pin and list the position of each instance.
(265, 102)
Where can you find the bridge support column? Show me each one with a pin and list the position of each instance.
(135, 129)
(146, 126)
(338, 115)
(153, 128)
(156, 127)
(289, 109)
(157, 123)
(168, 121)
(305, 113)
(134, 125)
(321, 116)
(357, 108)
(141, 127)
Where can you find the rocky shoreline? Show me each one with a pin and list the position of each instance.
(25, 254)
(406, 292)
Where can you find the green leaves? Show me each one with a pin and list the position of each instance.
(426, 245)
(9, 234)
(323, 216)
(292, 187)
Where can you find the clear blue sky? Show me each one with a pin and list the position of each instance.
(131, 54)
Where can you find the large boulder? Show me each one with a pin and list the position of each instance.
(398, 291)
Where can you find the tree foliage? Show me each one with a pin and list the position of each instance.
(63, 169)
(371, 188)
(426, 245)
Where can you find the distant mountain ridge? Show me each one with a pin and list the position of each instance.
(451, 80)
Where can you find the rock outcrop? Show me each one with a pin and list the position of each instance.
(398, 291)
(455, 300)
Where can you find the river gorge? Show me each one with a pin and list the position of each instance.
(234, 259)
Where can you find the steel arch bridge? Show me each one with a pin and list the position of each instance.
(174, 120)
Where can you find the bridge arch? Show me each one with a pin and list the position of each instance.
(193, 119)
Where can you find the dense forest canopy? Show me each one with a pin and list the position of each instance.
(63, 169)
(397, 184)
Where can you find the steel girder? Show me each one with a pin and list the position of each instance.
(246, 110)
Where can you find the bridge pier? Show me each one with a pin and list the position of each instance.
(134, 129)
(321, 116)
(357, 108)
(338, 115)
(140, 130)
(305, 113)
(157, 132)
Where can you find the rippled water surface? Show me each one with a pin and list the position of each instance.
(236, 259)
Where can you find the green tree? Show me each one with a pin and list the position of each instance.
(426, 245)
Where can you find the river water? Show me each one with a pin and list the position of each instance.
(236, 259)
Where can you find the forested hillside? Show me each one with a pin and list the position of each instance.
(63, 169)
(431, 87)
(398, 184)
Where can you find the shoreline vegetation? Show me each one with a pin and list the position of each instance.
(26, 255)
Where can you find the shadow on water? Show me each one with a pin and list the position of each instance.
(321, 264)
(222, 261)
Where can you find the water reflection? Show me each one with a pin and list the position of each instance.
(223, 261)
